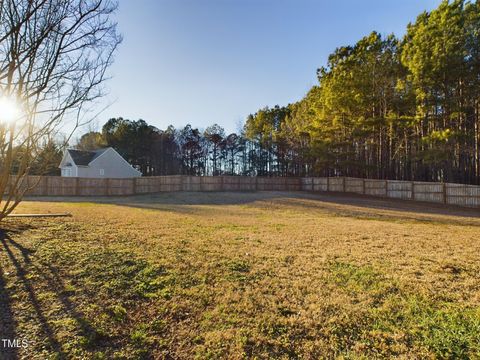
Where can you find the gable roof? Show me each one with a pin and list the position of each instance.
(84, 158)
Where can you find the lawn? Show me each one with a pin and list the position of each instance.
(241, 275)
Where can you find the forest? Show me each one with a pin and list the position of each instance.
(386, 107)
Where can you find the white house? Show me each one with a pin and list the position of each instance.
(102, 163)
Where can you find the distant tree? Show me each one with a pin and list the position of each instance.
(233, 147)
(92, 140)
(192, 151)
(263, 128)
(215, 136)
(166, 153)
(441, 53)
(134, 140)
(117, 133)
(48, 159)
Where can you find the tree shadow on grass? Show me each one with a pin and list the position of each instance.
(7, 321)
(19, 256)
(340, 204)
(388, 209)
(178, 199)
(22, 281)
(92, 336)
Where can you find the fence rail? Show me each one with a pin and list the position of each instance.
(444, 193)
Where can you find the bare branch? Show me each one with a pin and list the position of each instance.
(54, 56)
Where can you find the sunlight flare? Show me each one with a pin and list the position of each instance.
(10, 110)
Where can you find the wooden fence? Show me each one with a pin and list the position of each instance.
(444, 193)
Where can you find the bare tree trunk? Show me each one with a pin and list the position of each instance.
(53, 60)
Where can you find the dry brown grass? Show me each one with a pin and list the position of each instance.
(242, 275)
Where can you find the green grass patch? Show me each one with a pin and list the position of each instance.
(397, 318)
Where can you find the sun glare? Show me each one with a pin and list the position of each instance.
(9, 109)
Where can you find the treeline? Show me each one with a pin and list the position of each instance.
(187, 151)
(155, 152)
(383, 108)
(387, 107)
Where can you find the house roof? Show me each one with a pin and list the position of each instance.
(83, 158)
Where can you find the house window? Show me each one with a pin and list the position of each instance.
(102, 172)
(67, 172)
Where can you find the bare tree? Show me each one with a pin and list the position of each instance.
(53, 60)
(215, 136)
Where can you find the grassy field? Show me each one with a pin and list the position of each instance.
(241, 275)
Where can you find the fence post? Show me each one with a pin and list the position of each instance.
(107, 186)
(363, 186)
(42, 187)
(386, 188)
(413, 190)
(444, 193)
(344, 185)
(328, 183)
(223, 183)
(256, 182)
(134, 186)
(77, 186)
(47, 192)
(313, 184)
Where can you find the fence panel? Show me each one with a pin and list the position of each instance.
(399, 189)
(463, 195)
(191, 183)
(21, 183)
(239, 183)
(293, 184)
(121, 186)
(145, 185)
(92, 186)
(336, 184)
(354, 185)
(430, 192)
(170, 183)
(375, 187)
(37, 185)
(306, 184)
(320, 184)
(271, 183)
(57, 186)
(211, 183)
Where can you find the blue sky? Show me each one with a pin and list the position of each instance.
(216, 61)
